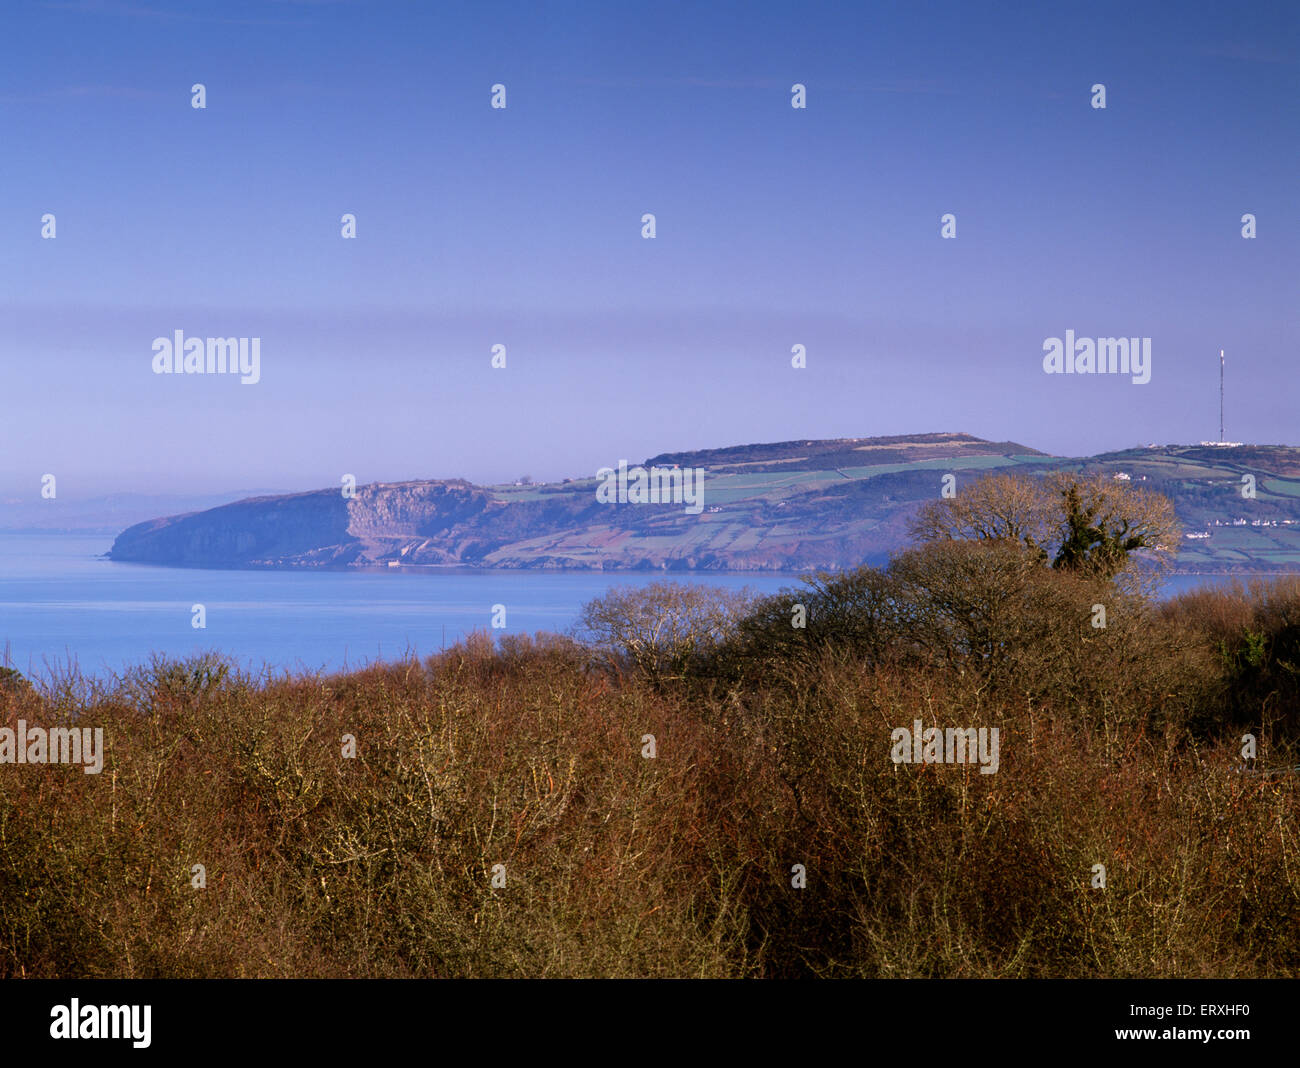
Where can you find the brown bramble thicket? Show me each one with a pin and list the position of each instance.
(1120, 745)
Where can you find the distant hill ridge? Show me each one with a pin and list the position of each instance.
(841, 452)
(792, 505)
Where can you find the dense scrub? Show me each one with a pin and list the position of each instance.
(1120, 746)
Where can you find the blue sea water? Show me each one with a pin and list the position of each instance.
(62, 604)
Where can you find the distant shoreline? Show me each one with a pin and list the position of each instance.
(465, 569)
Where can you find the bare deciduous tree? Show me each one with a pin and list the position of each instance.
(662, 627)
(995, 508)
(1088, 525)
(1104, 522)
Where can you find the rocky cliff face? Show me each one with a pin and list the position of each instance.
(309, 529)
(797, 505)
(454, 523)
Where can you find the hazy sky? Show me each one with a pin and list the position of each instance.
(522, 226)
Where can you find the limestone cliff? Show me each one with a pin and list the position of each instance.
(795, 505)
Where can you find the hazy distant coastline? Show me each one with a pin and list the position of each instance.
(794, 506)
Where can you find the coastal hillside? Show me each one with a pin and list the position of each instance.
(794, 505)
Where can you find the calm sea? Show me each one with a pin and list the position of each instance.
(61, 604)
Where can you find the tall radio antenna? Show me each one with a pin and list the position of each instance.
(1221, 438)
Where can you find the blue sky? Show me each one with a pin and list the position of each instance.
(522, 226)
